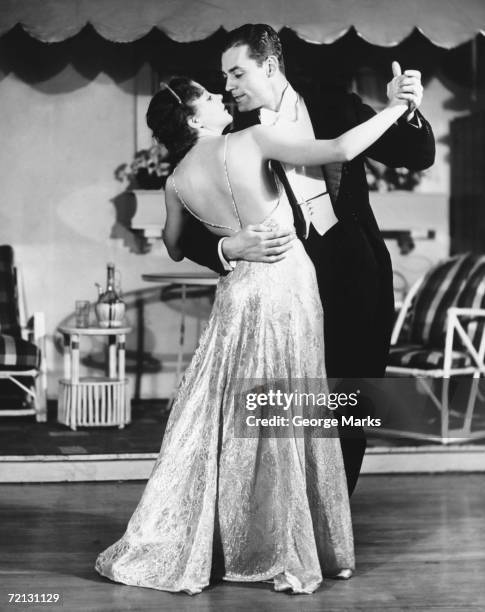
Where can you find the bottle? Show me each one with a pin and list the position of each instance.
(110, 308)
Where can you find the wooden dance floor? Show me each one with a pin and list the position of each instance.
(420, 545)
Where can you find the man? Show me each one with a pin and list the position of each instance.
(338, 228)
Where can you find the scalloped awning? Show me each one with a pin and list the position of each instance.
(446, 23)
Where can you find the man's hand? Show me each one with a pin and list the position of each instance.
(406, 86)
(264, 243)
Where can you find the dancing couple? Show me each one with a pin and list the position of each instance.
(279, 206)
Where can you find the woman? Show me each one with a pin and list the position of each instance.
(277, 505)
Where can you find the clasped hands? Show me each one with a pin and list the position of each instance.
(406, 86)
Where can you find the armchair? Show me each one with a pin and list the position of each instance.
(439, 335)
(22, 342)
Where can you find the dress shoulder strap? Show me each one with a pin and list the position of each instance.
(226, 137)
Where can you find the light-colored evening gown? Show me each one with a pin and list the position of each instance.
(279, 505)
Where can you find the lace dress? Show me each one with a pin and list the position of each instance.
(277, 505)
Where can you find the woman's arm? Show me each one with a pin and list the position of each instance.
(283, 146)
(174, 223)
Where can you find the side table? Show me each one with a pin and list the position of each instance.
(94, 401)
(184, 280)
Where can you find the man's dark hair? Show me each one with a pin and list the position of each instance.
(261, 39)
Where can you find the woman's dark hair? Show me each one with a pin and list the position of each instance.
(168, 112)
(261, 39)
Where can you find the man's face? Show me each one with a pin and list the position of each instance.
(248, 82)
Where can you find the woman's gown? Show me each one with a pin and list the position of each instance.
(278, 506)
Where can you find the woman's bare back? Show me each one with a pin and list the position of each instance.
(224, 182)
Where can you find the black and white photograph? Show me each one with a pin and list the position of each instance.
(242, 305)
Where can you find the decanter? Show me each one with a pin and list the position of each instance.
(110, 308)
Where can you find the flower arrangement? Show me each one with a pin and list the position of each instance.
(148, 170)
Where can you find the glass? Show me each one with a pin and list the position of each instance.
(83, 309)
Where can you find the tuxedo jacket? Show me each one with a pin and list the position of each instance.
(352, 264)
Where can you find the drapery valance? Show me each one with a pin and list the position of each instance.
(446, 23)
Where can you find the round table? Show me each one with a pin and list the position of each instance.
(94, 401)
(183, 280)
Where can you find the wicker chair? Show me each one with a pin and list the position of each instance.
(22, 344)
(439, 335)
